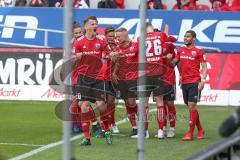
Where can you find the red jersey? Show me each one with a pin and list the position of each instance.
(154, 52)
(219, 5)
(90, 63)
(108, 65)
(190, 59)
(169, 75)
(235, 5)
(75, 70)
(128, 63)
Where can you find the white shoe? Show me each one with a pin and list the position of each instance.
(171, 132)
(115, 129)
(160, 134)
(146, 135)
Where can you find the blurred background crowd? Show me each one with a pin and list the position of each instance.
(207, 5)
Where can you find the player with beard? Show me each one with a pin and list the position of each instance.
(169, 77)
(109, 62)
(190, 58)
(75, 108)
(125, 76)
(91, 86)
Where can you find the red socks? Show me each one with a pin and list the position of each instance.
(193, 116)
(75, 111)
(85, 125)
(198, 123)
(147, 117)
(161, 116)
(111, 115)
(172, 115)
(132, 113)
(104, 119)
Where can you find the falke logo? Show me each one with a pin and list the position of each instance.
(9, 92)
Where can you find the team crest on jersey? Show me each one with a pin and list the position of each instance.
(194, 53)
(164, 50)
(97, 45)
(131, 49)
(204, 57)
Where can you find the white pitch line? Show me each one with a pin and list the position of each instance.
(43, 148)
(21, 144)
(52, 145)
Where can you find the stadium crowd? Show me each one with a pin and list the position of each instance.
(216, 5)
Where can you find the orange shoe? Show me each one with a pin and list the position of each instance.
(200, 134)
(188, 137)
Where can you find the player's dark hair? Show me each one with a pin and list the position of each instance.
(109, 29)
(90, 18)
(156, 30)
(193, 33)
(75, 25)
(122, 29)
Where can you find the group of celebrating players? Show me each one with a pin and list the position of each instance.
(106, 67)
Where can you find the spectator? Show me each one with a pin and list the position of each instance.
(186, 5)
(234, 5)
(107, 4)
(52, 3)
(219, 5)
(6, 3)
(154, 4)
(75, 3)
(21, 3)
(120, 4)
(39, 3)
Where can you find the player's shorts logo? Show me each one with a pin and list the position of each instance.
(78, 96)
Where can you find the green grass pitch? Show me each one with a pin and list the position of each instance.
(35, 123)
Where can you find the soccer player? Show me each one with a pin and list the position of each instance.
(169, 77)
(89, 52)
(75, 108)
(109, 66)
(125, 75)
(154, 70)
(190, 58)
